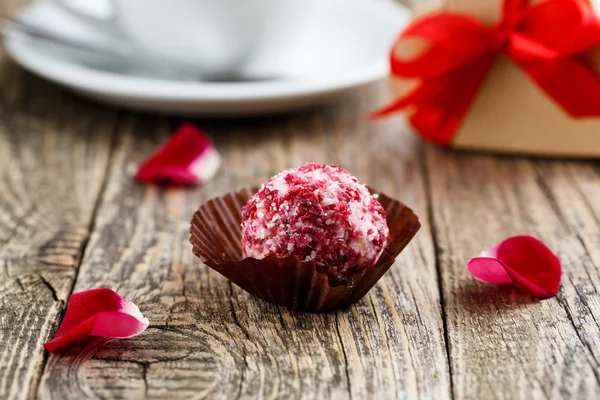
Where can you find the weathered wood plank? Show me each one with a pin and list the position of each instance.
(504, 344)
(573, 191)
(402, 324)
(54, 150)
(209, 339)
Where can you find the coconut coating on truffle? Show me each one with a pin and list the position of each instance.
(318, 213)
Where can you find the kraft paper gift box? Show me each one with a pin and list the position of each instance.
(510, 113)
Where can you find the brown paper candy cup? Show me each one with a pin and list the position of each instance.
(216, 238)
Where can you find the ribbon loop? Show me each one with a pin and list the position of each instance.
(443, 55)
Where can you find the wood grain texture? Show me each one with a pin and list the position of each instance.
(426, 330)
(504, 344)
(208, 338)
(54, 150)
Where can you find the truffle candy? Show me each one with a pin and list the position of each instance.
(318, 213)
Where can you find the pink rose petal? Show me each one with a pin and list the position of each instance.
(522, 260)
(97, 312)
(188, 158)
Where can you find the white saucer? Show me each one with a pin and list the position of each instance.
(347, 46)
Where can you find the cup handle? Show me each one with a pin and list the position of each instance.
(101, 16)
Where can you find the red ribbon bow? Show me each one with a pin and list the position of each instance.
(547, 40)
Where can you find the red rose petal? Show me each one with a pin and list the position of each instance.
(488, 269)
(522, 260)
(97, 312)
(188, 158)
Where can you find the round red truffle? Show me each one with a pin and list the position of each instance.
(318, 213)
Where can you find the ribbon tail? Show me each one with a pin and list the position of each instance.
(570, 83)
(440, 104)
(398, 104)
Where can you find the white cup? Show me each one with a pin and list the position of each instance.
(216, 37)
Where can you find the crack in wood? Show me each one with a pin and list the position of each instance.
(594, 366)
(145, 378)
(548, 194)
(183, 289)
(234, 313)
(381, 326)
(20, 283)
(149, 362)
(50, 287)
(587, 272)
(438, 268)
(281, 320)
(585, 303)
(585, 343)
(85, 241)
(344, 355)
(95, 209)
(242, 347)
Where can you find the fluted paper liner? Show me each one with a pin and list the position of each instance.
(216, 238)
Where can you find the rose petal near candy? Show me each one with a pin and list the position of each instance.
(188, 158)
(522, 260)
(97, 312)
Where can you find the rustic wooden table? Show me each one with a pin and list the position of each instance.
(72, 218)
